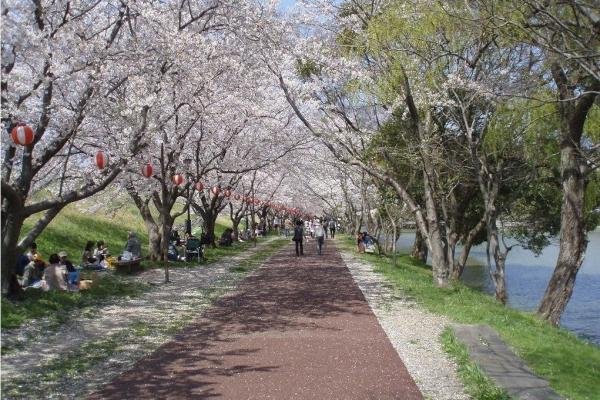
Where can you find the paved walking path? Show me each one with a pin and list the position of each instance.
(298, 328)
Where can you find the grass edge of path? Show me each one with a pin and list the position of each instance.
(60, 371)
(569, 364)
(477, 384)
(56, 305)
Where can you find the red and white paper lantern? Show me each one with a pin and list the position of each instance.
(177, 179)
(227, 193)
(22, 135)
(237, 196)
(147, 170)
(199, 186)
(101, 159)
(215, 190)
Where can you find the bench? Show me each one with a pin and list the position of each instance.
(129, 266)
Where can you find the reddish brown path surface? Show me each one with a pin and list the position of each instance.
(298, 328)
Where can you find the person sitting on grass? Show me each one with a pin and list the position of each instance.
(55, 274)
(360, 246)
(87, 257)
(65, 262)
(101, 251)
(172, 252)
(34, 271)
(32, 251)
(226, 237)
(175, 238)
(72, 275)
(133, 245)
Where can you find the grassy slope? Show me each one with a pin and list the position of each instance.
(70, 231)
(572, 366)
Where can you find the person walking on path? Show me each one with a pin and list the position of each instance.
(323, 225)
(298, 238)
(320, 236)
(332, 228)
(289, 331)
(287, 227)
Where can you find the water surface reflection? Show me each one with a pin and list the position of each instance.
(527, 277)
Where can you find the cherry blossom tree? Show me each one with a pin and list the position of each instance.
(68, 70)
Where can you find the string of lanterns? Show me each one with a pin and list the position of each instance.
(217, 191)
(23, 135)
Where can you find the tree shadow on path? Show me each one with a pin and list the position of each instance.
(298, 304)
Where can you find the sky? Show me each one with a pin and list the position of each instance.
(286, 4)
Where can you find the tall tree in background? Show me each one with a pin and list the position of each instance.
(568, 35)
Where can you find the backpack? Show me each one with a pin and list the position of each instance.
(298, 234)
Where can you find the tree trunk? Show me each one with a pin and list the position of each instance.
(165, 235)
(498, 273)
(208, 224)
(11, 252)
(235, 224)
(154, 242)
(395, 233)
(573, 241)
(459, 265)
(419, 250)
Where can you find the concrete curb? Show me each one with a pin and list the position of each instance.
(501, 364)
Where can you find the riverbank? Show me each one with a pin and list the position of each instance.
(571, 365)
(527, 277)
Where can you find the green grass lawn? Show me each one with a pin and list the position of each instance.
(57, 304)
(70, 231)
(571, 365)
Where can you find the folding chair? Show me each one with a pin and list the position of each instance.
(193, 249)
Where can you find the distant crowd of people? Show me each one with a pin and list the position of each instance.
(317, 228)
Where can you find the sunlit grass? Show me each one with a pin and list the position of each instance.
(69, 232)
(571, 365)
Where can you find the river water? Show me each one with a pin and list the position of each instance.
(527, 277)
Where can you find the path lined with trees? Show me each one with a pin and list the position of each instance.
(473, 121)
(459, 117)
(298, 328)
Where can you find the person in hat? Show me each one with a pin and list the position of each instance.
(34, 271)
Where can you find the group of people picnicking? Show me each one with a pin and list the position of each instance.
(60, 273)
(317, 228)
(183, 249)
(364, 242)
